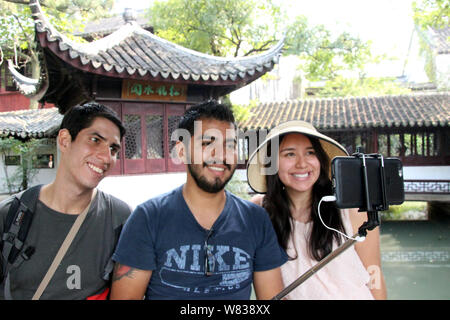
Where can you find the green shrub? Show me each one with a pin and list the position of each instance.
(409, 210)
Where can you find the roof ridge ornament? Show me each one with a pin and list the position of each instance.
(129, 15)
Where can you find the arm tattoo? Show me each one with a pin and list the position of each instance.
(121, 271)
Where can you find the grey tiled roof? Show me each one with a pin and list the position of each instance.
(419, 110)
(37, 123)
(133, 51)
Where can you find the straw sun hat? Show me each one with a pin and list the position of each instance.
(255, 167)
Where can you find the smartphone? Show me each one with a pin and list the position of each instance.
(348, 182)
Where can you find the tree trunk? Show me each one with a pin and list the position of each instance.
(35, 74)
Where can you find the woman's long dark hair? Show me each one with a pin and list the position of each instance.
(277, 203)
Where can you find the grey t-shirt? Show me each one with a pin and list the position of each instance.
(80, 273)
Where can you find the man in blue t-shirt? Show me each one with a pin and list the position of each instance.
(199, 241)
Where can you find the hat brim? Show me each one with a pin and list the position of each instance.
(256, 171)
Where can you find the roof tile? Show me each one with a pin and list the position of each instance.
(36, 123)
(421, 110)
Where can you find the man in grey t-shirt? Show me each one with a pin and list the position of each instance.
(88, 140)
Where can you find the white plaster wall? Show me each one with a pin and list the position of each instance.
(443, 71)
(43, 176)
(135, 189)
(278, 87)
(426, 173)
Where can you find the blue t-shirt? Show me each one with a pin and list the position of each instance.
(162, 235)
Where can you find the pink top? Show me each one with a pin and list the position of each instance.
(342, 278)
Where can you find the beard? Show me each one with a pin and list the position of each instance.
(207, 186)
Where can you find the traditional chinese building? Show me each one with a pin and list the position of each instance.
(414, 128)
(147, 80)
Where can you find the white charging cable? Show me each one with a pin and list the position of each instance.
(331, 199)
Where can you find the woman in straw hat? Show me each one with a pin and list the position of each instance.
(293, 179)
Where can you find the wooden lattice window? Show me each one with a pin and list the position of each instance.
(133, 138)
(147, 141)
(155, 136)
(171, 127)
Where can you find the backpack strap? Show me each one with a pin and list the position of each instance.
(28, 252)
(17, 224)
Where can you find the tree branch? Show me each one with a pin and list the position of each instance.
(21, 27)
(25, 2)
(238, 43)
(262, 47)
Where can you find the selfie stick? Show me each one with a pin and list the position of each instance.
(372, 222)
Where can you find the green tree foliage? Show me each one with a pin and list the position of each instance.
(331, 56)
(361, 87)
(431, 13)
(17, 27)
(243, 27)
(17, 40)
(16, 30)
(337, 60)
(243, 112)
(218, 27)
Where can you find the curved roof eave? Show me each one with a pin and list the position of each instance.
(29, 87)
(132, 51)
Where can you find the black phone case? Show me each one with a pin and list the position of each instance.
(348, 182)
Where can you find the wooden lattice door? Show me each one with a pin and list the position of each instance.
(144, 141)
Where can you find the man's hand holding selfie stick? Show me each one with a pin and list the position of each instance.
(376, 177)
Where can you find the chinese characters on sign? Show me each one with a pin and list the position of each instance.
(146, 90)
